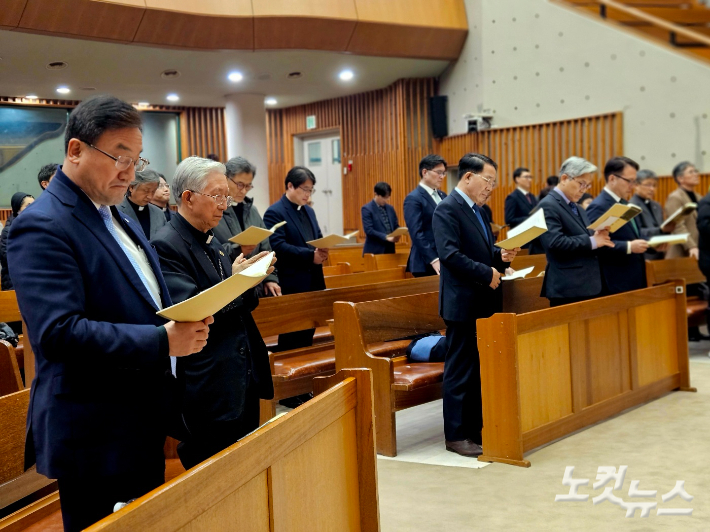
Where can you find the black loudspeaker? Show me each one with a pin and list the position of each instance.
(437, 116)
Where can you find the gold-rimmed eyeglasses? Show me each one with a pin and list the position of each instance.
(219, 199)
(123, 162)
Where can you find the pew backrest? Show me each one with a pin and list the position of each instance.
(13, 417)
(539, 262)
(523, 295)
(351, 254)
(342, 268)
(9, 312)
(10, 378)
(385, 261)
(661, 271)
(365, 278)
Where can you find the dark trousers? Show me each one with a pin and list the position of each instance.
(86, 500)
(294, 340)
(463, 416)
(216, 436)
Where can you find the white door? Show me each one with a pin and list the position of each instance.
(322, 157)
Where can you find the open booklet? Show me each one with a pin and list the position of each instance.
(616, 217)
(330, 241)
(659, 240)
(214, 299)
(526, 232)
(520, 274)
(253, 235)
(400, 231)
(685, 210)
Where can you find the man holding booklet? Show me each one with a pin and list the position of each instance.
(378, 221)
(687, 177)
(650, 221)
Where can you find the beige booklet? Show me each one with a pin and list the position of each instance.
(526, 232)
(253, 235)
(659, 240)
(331, 240)
(209, 301)
(685, 210)
(616, 217)
(400, 231)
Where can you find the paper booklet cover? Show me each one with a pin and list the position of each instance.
(214, 299)
(400, 231)
(520, 274)
(331, 240)
(685, 210)
(616, 217)
(253, 235)
(526, 232)
(659, 240)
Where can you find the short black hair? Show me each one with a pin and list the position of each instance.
(553, 181)
(213, 157)
(93, 117)
(46, 173)
(383, 189)
(585, 196)
(299, 175)
(474, 162)
(616, 165)
(680, 168)
(519, 171)
(430, 162)
(239, 165)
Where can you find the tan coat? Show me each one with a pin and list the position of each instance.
(675, 201)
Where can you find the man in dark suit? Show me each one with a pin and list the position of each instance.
(651, 217)
(99, 408)
(623, 266)
(379, 220)
(419, 208)
(137, 204)
(572, 273)
(224, 382)
(552, 181)
(520, 202)
(471, 268)
(300, 264)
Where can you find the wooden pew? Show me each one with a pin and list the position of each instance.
(686, 268)
(342, 268)
(10, 312)
(10, 379)
(293, 371)
(548, 373)
(311, 469)
(385, 261)
(365, 278)
(539, 262)
(350, 253)
(364, 334)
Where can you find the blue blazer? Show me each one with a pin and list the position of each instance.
(297, 273)
(375, 231)
(418, 212)
(622, 271)
(572, 266)
(100, 401)
(467, 255)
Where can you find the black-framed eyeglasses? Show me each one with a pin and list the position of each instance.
(123, 162)
(242, 186)
(219, 199)
(629, 181)
(582, 185)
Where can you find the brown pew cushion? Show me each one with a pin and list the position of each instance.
(20, 354)
(305, 365)
(389, 349)
(321, 336)
(412, 376)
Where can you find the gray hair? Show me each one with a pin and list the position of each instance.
(190, 175)
(680, 169)
(145, 177)
(239, 165)
(643, 175)
(576, 166)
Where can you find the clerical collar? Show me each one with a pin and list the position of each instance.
(202, 238)
(296, 206)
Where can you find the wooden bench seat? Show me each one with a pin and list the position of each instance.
(408, 377)
(686, 269)
(322, 335)
(306, 362)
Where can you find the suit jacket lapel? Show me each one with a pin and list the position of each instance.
(471, 216)
(290, 213)
(581, 219)
(197, 251)
(424, 193)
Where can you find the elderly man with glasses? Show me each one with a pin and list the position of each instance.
(223, 384)
(651, 218)
(137, 204)
(242, 215)
(573, 273)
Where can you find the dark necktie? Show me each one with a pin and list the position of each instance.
(528, 196)
(573, 206)
(480, 220)
(633, 222)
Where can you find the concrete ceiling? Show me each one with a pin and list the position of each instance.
(133, 72)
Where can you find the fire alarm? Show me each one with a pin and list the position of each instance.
(350, 165)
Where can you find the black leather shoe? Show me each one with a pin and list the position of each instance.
(464, 448)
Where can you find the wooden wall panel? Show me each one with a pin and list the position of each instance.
(203, 132)
(186, 30)
(11, 13)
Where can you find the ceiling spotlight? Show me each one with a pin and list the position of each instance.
(173, 97)
(346, 75)
(235, 77)
(63, 90)
(270, 101)
(31, 97)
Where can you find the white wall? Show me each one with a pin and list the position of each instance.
(160, 143)
(533, 61)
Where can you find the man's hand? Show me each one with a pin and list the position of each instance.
(247, 250)
(272, 289)
(639, 246)
(668, 228)
(694, 252)
(241, 264)
(393, 239)
(509, 254)
(662, 248)
(188, 338)
(601, 237)
(496, 279)
(437, 266)
(320, 256)
(509, 271)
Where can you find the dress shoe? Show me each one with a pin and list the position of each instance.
(464, 448)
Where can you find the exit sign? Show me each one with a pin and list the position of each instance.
(311, 122)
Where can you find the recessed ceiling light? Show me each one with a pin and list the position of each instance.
(235, 77)
(31, 97)
(170, 74)
(56, 65)
(173, 97)
(270, 101)
(346, 75)
(63, 90)
(143, 104)
(294, 75)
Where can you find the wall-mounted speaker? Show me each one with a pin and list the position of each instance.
(437, 116)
